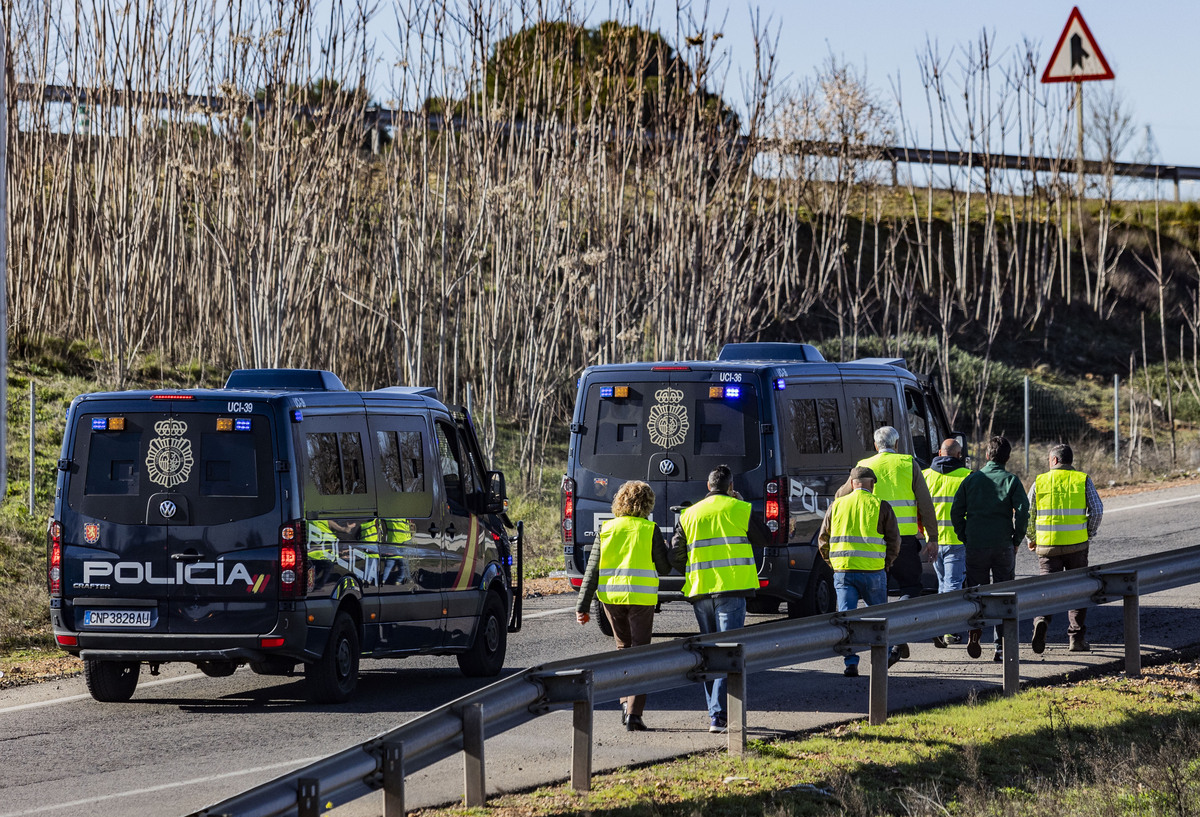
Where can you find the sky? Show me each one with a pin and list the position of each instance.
(1151, 46)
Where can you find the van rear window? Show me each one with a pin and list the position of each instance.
(221, 475)
(623, 432)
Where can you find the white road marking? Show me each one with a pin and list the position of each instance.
(70, 698)
(165, 786)
(1193, 498)
(542, 614)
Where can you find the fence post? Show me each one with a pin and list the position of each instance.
(1125, 587)
(871, 632)
(308, 797)
(1027, 426)
(1116, 420)
(729, 661)
(572, 687)
(474, 771)
(393, 779)
(1001, 608)
(32, 446)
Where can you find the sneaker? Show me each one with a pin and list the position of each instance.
(973, 648)
(717, 725)
(1039, 637)
(634, 723)
(1078, 644)
(953, 638)
(998, 655)
(902, 650)
(851, 671)
(894, 658)
(939, 641)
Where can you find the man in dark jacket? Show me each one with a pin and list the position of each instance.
(989, 515)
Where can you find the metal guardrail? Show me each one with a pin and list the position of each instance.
(461, 725)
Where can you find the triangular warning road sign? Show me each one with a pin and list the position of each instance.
(1076, 58)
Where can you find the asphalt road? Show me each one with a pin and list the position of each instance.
(186, 740)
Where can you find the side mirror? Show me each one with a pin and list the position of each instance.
(497, 494)
(961, 437)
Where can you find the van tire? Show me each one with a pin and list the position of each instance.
(485, 658)
(111, 681)
(820, 598)
(333, 677)
(601, 618)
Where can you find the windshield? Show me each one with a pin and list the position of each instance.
(222, 464)
(708, 424)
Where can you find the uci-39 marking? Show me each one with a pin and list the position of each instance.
(239, 408)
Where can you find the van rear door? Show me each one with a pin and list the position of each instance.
(211, 474)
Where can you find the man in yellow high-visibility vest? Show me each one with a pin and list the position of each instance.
(860, 539)
(944, 475)
(899, 482)
(712, 547)
(1067, 511)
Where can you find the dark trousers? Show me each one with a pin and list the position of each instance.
(906, 570)
(1076, 619)
(990, 566)
(632, 625)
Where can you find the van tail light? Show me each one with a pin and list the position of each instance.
(568, 511)
(293, 568)
(776, 510)
(54, 560)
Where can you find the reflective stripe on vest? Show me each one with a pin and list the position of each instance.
(943, 487)
(1061, 508)
(893, 483)
(720, 559)
(854, 540)
(627, 573)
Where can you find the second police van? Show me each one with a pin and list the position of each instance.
(787, 422)
(280, 522)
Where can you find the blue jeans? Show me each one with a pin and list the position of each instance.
(716, 614)
(950, 564)
(852, 585)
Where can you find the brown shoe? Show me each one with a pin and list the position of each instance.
(1078, 644)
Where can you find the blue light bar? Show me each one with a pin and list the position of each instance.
(99, 424)
(241, 424)
(733, 391)
(606, 391)
(780, 385)
(297, 415)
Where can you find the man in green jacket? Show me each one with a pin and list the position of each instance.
(989, 514)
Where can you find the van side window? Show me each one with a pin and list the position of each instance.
(914, 404)
(815, 426)
(451, 470)
(871, 413)
(333, 471)
(401, 457)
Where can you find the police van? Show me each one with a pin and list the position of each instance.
(787, 422)
(280, 521)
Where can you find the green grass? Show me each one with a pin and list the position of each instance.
(1105, 747)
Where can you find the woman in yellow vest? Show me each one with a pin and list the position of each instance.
(622, 571)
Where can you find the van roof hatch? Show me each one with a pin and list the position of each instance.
(797, 352)
(898, 362)
(411, 391)
(283, 380)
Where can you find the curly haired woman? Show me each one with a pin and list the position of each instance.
(622, 571)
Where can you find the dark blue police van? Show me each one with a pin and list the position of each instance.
(280, 521)
(787, 422)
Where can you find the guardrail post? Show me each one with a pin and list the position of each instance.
(728, 660)
(308, 797)
(1125, 586)
(393, 779)
(474, 772)
(868, 631)
(1001, 608)
(572, 687)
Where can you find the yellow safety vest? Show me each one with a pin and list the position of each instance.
(854, 539)
(1061, 508)
(893, 483)
(720, 559)
(627, 572)
(943, 487)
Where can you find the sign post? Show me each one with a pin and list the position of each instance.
(3, 262)
(1076, 58)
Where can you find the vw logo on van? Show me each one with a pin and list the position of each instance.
(166, 508)
(666, 467)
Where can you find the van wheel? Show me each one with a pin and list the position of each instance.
(763, 605)
(217, 669)
(111, 681)
(333, 677)
(819, 597)
(601, 618)
(486, 656)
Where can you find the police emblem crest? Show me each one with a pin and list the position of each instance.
(668, 423)
(169, 460)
